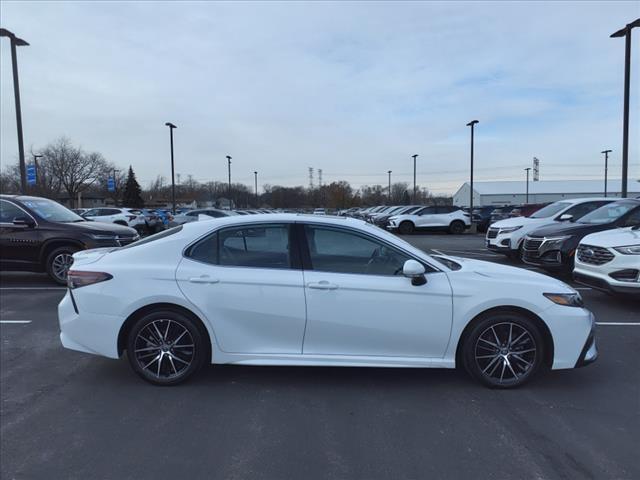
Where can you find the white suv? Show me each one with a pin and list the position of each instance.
(507, 236)
(451, 219)
(129, 217)
(610, 260)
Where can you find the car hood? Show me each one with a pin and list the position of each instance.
(618, 237)
(510, 277)
(568, 228)
(100, 228)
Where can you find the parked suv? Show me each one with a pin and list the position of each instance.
(506, 236)
(128, 217)
(553, 247)
(40, 235)
(447, 218)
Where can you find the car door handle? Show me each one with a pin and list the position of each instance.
(203, 279)
(322, 285)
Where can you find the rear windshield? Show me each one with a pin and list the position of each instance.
(550, 210)
(154, 237)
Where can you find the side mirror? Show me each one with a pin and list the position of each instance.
(415, 271)
(24, 222)
(566, 217)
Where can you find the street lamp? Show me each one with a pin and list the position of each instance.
(255, 177)
(229, 167)
(471, 124)
(389, 172)
(527, 196)
(414, 177)
(606, 165)
(173, 180)
(17, 42)
(626, 33)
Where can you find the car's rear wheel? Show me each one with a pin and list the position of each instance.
(406, 228)
(59, 262)
(456, 227)
(165, 347)
(504, 350)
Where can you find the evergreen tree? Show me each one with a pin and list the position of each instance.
(132, 192)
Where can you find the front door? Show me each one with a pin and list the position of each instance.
(246, 281)
(19, 244)
(426, 217)
(358, 302)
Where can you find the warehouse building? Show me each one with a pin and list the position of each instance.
(514, 193)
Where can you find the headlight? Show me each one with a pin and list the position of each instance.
(509, 229)
(566, 299)
(556, 240)
(629, 250)
(96, 236)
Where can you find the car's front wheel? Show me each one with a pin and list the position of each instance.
(59, 262)
(504, 350)
(166, 347)
(406, 228)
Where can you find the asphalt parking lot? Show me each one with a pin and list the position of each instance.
(70, 415)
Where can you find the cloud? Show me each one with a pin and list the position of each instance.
(353, 88)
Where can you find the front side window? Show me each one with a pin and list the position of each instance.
(582, 209)
(340, 251)
(633, 219)
(8, 211)
(260, 246)
(427, 211)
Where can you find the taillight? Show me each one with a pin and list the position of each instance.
(77, 279)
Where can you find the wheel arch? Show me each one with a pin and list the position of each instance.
(140, 312)
(544, 330)
(51, 245)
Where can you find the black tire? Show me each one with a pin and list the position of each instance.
(406, 227)
(456, 227)
(58, 263)
(524, 356)
(156, 351)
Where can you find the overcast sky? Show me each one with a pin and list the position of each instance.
(352, 88)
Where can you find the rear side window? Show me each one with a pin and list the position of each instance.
(260, 246)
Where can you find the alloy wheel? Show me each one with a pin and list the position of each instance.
(61, 264)
(505, 353)
(164, 349)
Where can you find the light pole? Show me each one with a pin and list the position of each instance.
(229, 168)
(606, 168)
(255, 177)
(471, 124)
(414, 177)
(626, 33)
(17, 42)
(173, 180)
(389, 172)
(527, 195)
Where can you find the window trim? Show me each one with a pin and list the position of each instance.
(306, 254)
(294, 250)
(19, 208)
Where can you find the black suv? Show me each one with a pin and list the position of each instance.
(40, 235)
(553, 247)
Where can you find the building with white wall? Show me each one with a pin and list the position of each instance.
(514, 192)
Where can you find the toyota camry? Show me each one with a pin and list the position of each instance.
(286, 289)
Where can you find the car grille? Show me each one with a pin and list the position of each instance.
(532, 244)
(594, 255)
(492, 233)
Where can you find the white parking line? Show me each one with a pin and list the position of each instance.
(15, 321)
(619, 324)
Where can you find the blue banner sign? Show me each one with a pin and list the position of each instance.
(111, 184)
(31, 174)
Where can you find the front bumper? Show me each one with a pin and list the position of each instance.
(601, 277)
(589, 353)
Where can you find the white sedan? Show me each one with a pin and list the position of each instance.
(287, 289)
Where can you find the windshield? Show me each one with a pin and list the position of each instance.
(550, 210)
(608, 213)
(52, 211)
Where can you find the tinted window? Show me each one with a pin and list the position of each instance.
(261, 246)
(341, 251)
(582, 209)
(633, 219)
(8, 211)
(205, 250)
(427, 211)
(153, 238)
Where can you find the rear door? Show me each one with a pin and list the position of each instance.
(248, 282)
